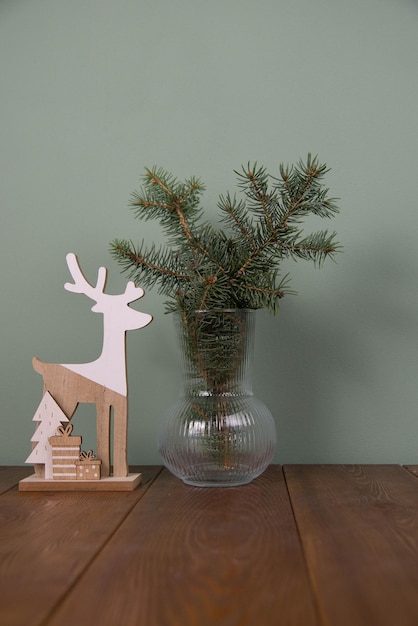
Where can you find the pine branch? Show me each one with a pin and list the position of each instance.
(315, 247)
(254, 182)
(176, 205)
(147, 265)
(237, 217)
(238, 265)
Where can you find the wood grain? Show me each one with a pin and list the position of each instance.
(108, 483)
(191, 556)
(47, 540)
(10, 476)
(168, 554)
(413, 469)
(359, 531)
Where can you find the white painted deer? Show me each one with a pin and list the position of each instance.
(103, 381)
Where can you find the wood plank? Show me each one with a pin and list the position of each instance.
(359, 530)
(199, 556)
(11, 474)
(47, 540)
(413, 469)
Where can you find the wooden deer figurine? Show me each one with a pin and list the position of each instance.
(103, 381)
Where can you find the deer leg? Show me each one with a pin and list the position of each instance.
(103, 435)
(120, 436)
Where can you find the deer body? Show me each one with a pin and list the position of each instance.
(103, 381)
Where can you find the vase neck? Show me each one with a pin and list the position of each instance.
(216, 349)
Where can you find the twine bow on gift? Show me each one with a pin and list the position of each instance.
(65, 430)
(87, 456)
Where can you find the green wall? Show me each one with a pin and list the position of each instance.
(92, 91)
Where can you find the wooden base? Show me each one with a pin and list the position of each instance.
(110, 483)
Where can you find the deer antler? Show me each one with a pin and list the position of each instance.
(81, 285)
(132, 292)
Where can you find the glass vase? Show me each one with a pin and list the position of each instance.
(218, 433)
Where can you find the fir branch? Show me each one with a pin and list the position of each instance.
(235, 266)
(146, 265)
(254, 182)
(236, 217)
(315, 247)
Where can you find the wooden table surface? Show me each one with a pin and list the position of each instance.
(303, 545)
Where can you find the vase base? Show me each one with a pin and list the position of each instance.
(209, 483)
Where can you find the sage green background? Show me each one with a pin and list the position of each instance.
(92, 91)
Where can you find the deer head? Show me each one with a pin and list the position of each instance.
(114, 307)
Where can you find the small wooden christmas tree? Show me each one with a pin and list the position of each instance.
(49, 416)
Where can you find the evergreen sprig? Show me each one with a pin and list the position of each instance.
(237, 265)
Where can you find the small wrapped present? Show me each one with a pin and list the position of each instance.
(87, 466)
(65, 452)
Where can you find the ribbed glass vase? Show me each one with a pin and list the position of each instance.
(218, 434)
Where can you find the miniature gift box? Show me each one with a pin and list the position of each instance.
(65, 453)
(88, 467)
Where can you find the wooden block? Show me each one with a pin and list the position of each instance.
(65, 449)
(108, 483)
(64, 459)
(88, 469)
(64, 472)
(64, 438)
